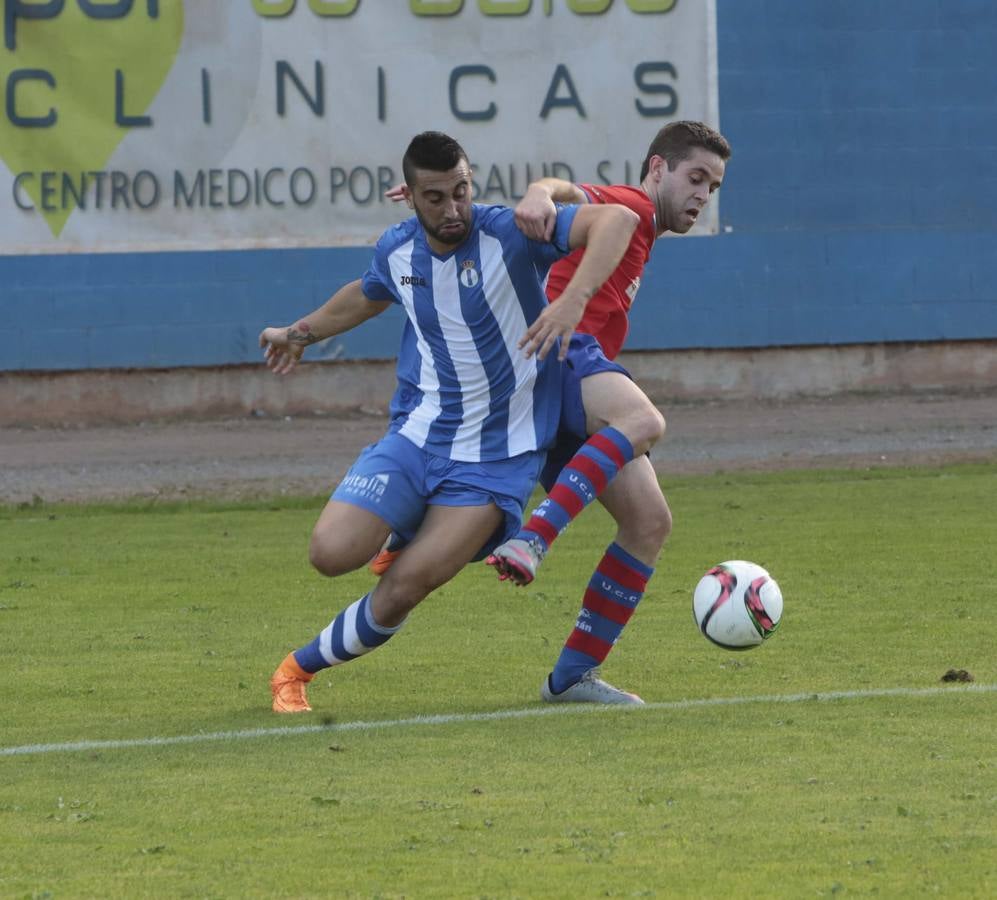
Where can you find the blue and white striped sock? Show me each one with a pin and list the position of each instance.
(351, 634)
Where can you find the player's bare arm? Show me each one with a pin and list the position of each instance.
(536, 213)
(605, 232)
(347, 308)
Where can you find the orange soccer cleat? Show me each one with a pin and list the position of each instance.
(287, 685)
(387, 554)
(382, 562)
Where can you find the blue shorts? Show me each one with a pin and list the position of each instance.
(396, 481)
(585, 357)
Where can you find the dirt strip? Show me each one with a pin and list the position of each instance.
(256, 456)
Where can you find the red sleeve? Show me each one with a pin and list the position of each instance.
(607, 314)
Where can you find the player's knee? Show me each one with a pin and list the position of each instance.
(326, 563)
(647, 528)
(661, 525)
(657, 526)
(327, 558)
(644, 429)
(394, 599)
(655, 425)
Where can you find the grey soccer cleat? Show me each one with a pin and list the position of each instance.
(591, 689)
(517, 560)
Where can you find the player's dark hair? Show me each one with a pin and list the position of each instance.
(676, 141)
(432, 150)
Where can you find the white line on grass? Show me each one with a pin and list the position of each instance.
(459, 718)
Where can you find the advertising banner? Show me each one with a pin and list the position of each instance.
(158, 124)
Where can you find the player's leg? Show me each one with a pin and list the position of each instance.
(615, 408)
(447, 540)
(449, 512)
(602, 401)
(345, 537)
(472, 508)
(617, 586)
(611, 399)
(341, 542)
(637, 505)
(381, 493)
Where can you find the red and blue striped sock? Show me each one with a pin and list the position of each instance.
(582, 479)
(616, 588)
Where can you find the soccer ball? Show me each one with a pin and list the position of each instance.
(737, 605)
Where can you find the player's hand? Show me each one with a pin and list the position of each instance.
(279, 353)
(556, 321)
(396, 193)
(536, 215)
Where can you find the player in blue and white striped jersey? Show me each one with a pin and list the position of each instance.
(465, 391)
(478, 393)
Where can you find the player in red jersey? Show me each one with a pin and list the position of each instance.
(607, 423)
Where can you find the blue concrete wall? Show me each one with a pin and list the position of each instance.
(860, 207)
(160, 310)
(862, 196)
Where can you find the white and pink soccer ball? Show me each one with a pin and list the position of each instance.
(737, 605)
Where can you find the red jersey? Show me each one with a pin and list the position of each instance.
(606, 317)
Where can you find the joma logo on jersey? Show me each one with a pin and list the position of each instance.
(417, 280)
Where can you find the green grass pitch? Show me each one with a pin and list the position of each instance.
(843, 765)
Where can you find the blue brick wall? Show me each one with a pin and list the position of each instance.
(860, 206)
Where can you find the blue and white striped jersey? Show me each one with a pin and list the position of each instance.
(465, 390)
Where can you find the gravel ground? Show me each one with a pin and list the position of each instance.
(235, 458)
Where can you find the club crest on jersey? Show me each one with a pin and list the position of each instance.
(469, 275)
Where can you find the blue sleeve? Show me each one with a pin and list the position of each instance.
(376, 283)
(565, 219)
(500, 220)
(546, 254)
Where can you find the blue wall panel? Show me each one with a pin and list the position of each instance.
(860, 206)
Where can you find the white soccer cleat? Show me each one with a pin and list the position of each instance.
(517, 560)
(591, 689)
